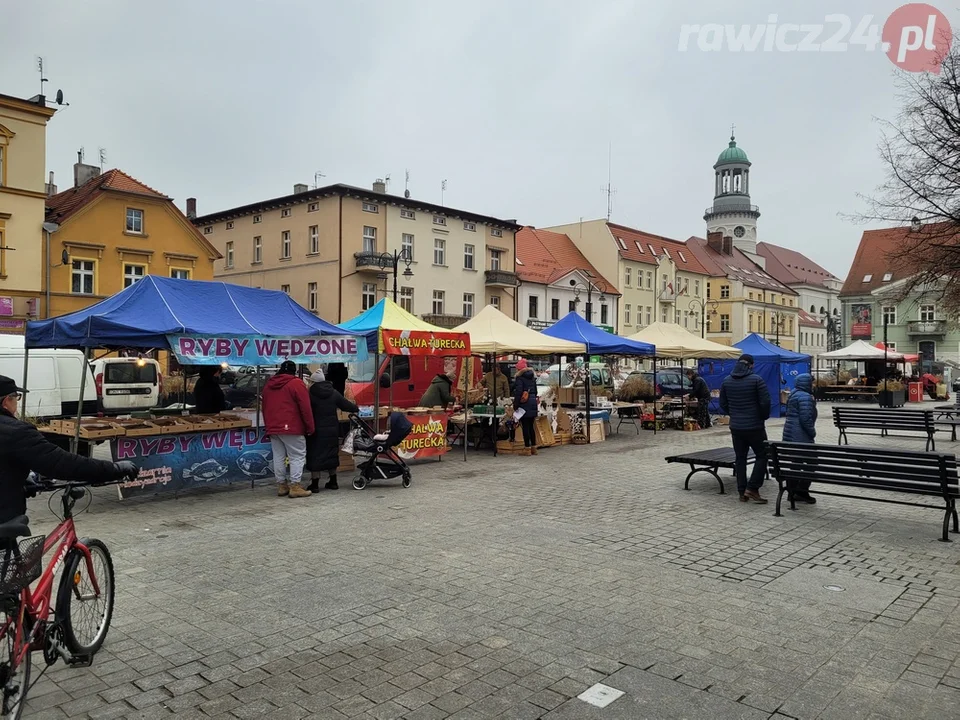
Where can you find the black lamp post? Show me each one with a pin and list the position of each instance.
(590, 287)
(702, 305)
(391, 262)
(778, 319)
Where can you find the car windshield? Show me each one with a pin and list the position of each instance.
(130, 372)
(362, 371)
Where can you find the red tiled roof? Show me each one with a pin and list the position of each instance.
(872, 262)
(545, 257)
(791, 267)
(736, 266)
(62, 205)
(645, 247)
(805, 319)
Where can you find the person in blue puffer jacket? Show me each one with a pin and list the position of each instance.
(801, 425)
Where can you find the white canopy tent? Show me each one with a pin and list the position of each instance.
(860, 350)
(672, 341)
(493, 332)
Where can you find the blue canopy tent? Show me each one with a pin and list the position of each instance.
(778, 367)
(574, 328)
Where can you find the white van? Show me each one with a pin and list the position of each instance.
(53, 379)
(128, 384)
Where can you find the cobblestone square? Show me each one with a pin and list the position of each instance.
(506, 587)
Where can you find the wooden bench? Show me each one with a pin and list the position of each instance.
(884, 420)
(708, 461)
(895, 471)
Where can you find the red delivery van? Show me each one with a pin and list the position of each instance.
(412, 376)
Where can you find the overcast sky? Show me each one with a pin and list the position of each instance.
(513, 102)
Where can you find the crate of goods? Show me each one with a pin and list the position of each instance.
(206, 423)
(563, 438)
(229, 421)
(172, 425)
(138, 428)
(90, 428)
(509, 447)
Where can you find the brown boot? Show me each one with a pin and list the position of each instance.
(755, 496)
(534, 450)
(297, 491)
(283, 490)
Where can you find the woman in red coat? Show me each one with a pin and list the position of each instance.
(288, 419)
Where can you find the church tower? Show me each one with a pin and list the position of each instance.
(731, 213)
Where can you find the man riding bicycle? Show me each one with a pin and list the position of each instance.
(23, 448)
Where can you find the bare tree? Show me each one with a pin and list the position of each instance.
(921, 192)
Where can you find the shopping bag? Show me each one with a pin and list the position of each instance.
(347, 446)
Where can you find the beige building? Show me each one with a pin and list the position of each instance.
(334, 250)
(658, 278)
(23, 132)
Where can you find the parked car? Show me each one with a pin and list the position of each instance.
(53, 379)
(600, 374)
(127, 384)
(670, 381)
(411, 377)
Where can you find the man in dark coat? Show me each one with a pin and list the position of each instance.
(801, 426)
(207, 395)
(323, 447)
(701, 393)
(745, 398)
(525, 398)
(338, 375)
(23, 448)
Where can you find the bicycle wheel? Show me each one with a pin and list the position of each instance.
(13, 682)
(84, 615)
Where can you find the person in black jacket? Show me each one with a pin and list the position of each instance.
(745, 398)
(207, 394)
(323, 447)
(23, 448)
(338, 374)
(701, 393)
(525, 398)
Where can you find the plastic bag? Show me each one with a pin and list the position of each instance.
(347, 446)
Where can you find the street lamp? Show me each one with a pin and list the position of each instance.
(696, 304)
(832, 323)
(915, 224)
(590, 287)
(778, 321)
(49, 228)
(391, 262)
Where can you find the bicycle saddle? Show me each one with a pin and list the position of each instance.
(18, 527)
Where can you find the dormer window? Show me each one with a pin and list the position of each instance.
(867, 278)
(887, 277)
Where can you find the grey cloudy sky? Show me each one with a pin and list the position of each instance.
(513, 102)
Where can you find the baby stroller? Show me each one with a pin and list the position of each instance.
(383, 462)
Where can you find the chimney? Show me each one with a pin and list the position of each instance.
(715, 241)
(83, 173)
(299, 188)
(727, 245)
(379, 186)
(191, 208)
(51, 188)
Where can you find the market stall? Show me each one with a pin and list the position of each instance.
(202, 323)
(574, 328)
(875, 361)
(402, 347)
(778, 367)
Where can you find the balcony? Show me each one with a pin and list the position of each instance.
(501, 278)
(668, 296)
(927, 327)
(445, 321)
(744, 209)
(368, 262)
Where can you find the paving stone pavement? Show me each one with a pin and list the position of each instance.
(505, 587)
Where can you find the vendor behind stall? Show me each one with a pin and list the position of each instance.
(496, 383)
(207, 395)
(439, 394)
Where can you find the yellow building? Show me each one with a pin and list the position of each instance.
(113, 230)
(23, 130)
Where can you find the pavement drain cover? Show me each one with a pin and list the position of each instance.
(600, 695)
(833, 588)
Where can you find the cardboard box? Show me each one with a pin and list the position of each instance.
(347, 463)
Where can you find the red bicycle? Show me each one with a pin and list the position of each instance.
(74, 628)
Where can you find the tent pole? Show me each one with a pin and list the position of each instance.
(465, 369)
(23, 400)
(259, 431)
(75, 440)
(587, 383)
(376, 391)
(654, 393)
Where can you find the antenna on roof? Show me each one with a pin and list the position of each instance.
(81, 154)
(406, 183)
(316, 179)
(42, 78)
(103, 158)
(443, 189)
(386, 182)
(609, 190)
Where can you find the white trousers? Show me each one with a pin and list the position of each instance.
(292, 448)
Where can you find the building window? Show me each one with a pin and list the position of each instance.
(314, 248)
(257, 250)
(696, 288)
(408, 215)
(572, 306)
(533, 309)
(313, 207)
(468, 304)
(627, 277)
(132, 274)
(285, 213)
(708, 291)
(663, 315)
(285, 245)
(469, 226)
(686, 318)
(439, 251)
(179, 273)
(135, 221)
(495, 301)
(369, 239)
(750, 323)
(228, 255)
(649, 315)
(495, 256)
(368, 296)
(892, 346)
(677, 318)
(257, 219)
(555, 309)
(750, 295)
(724, 323)
(230, 225)
(867, 278)
(650, 280)
(208, 230)
(2, 160)
(603, 314)
(406, 299)
(82, 277)
(626, 314)
(496, 232)
(927, 313)
(406, 246)
(724, 291)
(887, 277)
(889, 315)
(439, 220)
(285, 289)
(312, 296)
(438, 296)
(468, 257)
(370, 207)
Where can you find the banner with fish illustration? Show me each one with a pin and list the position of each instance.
(424, 342)
(428, 438)
(260, 350)
(169, 463)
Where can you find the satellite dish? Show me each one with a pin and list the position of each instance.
(65, 257)
(406, 194)
(60, 98)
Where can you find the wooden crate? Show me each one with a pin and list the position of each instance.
(139, 428)
(229, 422)
(173, 425)
(90, 428)
(543, 432)
(206, 423)
(347, 462)
(563, 438)
(508, 447)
